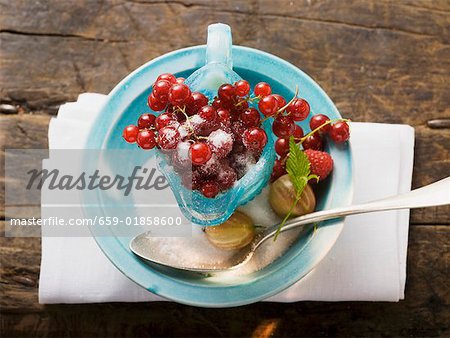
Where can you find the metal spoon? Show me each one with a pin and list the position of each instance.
(435, 194)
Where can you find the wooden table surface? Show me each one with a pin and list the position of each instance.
(380, 61)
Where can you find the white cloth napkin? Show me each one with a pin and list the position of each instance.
(368, 262)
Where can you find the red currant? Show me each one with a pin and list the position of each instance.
(268, 105)
(314, 142)
(146, 139)
(283, 126)
(130, 133)
(220, 143)
(188, 182)
(196, 101)
(318, 120)
(203, 127)
(196, 180)
(240, 105)
(180, 157)
(226, 92)
(170, 109)
(238, 130)
(210, 168)
(161, 90)
(200, 153)
(224, 117)
(155, 103)
(278, 170)
(193, 180)
(242, 88)
(210, 189)
(340, 132)
(180, 79)
(208, 113)
(282, 146)
(238, 147)
(226, 177)
(254, 138)
(262, 89)
(180, 116)
(280, 99)
(167, 76)
(179, 94)
(298, 132)
(146, 121)
(299, 109)
(250, 117)
(217, 103)
(168, 138)
(165, 119)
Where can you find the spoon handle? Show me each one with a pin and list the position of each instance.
(435, 194)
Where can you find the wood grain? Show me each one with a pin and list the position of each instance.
(424, 312)
(380, 62)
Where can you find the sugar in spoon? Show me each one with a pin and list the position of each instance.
(435, 194)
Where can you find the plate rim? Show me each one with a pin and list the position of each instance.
(105, 243)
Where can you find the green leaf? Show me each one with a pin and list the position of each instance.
(298, 167)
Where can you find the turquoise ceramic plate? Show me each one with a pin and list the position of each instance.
(128, 100)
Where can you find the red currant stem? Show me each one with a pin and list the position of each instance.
(286, 218)
(287, 104)
(282, 108)
(150, 128)
(253, 99)
(241, 102)
(247, 99)
(183, 111)
(320, 127)
(265, 119)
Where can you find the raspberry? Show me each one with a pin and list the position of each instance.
(321, 163)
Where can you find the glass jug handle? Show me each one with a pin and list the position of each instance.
(219, 43)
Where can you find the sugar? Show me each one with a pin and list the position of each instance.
(260, 211)
(183, 130)
(243, 162)
(196, 119)
(211, 167)
(220, 137)
(170, 134)
(183, 150)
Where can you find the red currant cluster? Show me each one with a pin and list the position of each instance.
(321, 126)
(220, 140)
(216, 143)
